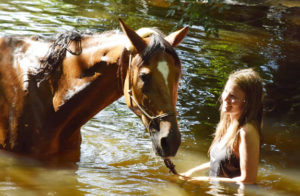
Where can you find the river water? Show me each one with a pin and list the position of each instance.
(116, 152)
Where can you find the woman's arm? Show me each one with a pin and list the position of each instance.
(249, 158)
(249, 153)
(195, 169)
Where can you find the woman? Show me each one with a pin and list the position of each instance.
(235, 150)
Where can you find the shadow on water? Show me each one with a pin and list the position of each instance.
(116, 153)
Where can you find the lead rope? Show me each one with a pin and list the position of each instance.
(169, 164)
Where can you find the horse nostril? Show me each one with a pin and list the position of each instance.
(154, 127)
(164, 145)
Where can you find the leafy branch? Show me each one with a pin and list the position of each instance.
(200, 12)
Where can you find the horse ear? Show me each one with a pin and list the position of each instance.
(176, 37)
(134, 38)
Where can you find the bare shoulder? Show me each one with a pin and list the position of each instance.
(248, 131)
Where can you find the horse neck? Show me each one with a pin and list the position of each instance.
(113, 53)
(63, 107)
(104, 77)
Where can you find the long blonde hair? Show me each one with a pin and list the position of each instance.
(251, 84)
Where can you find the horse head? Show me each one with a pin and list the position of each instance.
(151, 83)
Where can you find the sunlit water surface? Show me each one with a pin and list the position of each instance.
(116, 153)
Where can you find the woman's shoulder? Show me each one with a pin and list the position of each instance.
(249, 130)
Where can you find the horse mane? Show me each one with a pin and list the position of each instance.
(52, 61)
(157, 43)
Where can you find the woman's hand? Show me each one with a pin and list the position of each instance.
(182, 176)
(199, 178)
(195, 179)
(187, 173)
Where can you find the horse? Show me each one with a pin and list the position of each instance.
(49, 88)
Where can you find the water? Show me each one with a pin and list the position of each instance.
(116, 153)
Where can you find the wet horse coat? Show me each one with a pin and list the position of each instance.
(48, 90)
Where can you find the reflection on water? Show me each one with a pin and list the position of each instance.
(116, 153)
(20, 176)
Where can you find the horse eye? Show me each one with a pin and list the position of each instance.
(144, 77)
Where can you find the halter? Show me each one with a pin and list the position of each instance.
(150, 117)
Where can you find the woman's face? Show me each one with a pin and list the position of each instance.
(233, 99)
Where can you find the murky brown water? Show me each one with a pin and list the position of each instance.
(116, 154)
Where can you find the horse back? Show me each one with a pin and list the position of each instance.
(11, 93)
(17, 60)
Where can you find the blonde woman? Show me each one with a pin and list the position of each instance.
(235, 150)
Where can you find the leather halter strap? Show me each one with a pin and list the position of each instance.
(144, 112)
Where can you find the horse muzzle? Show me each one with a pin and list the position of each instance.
(165, 137)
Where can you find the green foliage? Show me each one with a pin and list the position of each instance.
(198, 12)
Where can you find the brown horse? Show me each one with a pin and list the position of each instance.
(49, 89)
